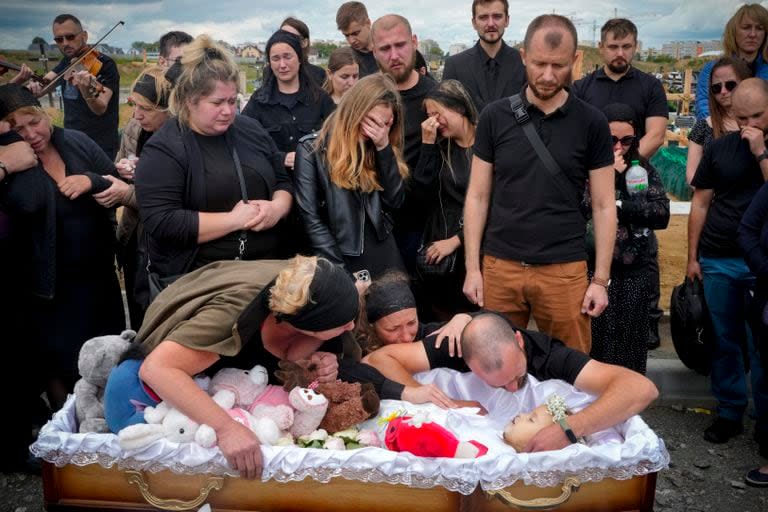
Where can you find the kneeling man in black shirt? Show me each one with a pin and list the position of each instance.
(503, 356)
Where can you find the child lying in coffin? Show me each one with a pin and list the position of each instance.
(522, 428)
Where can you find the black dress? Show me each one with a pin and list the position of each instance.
(65, 253)
(446, 187)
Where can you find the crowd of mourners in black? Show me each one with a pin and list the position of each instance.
(462, 207)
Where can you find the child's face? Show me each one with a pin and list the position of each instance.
(523, 427)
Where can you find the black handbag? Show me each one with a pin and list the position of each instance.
(447, 264)
(691, 327)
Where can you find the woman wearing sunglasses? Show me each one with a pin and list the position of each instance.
(726, 74)
(744, 39)
(620, 334)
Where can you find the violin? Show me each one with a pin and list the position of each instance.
(87, 61)
(37, 78)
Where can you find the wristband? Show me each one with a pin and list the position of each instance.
(567, 429)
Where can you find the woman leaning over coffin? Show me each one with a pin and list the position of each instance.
(210, 185)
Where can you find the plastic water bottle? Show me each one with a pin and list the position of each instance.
(637, 185)
(636, 179)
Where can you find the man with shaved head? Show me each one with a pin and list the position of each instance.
(503, 356)
(732, 170)
(394, 46)
(522, 211)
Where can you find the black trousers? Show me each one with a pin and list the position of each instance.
(654, 290)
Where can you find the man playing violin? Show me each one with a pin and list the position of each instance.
(90, 91)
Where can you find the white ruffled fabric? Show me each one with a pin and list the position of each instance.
(606, 456)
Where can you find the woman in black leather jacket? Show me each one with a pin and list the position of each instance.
(351, 175)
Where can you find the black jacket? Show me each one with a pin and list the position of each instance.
(171, 187)
(334, 217)
(287, 125)
(29, 198)
(469, 68)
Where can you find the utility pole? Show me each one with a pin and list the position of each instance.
(615, 13)
(594, 33)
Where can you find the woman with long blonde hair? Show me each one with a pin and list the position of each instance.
(350, 176)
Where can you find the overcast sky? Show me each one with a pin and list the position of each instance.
(446, 21)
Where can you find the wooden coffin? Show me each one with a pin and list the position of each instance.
(93, 487)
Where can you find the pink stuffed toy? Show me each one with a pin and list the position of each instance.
(424, 438)
(299, 412)
(310, 409)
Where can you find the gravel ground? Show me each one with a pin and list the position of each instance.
(702, 477)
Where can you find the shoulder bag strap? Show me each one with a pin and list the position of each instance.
(244, 193)
(523, 120)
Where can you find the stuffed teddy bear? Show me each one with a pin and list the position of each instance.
(299, 411)
(424, 438)
(97, 358)
(166, 422)
(162, 422)
(348, 403)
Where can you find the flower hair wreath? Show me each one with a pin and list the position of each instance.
(556, 407)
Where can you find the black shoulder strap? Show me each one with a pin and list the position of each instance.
(244, 193)
(238, 167)
(523, 120)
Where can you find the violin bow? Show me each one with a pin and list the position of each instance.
(48, 88)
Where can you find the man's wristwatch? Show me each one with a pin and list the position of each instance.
(762, 156)
(567, 429)
(605, 283)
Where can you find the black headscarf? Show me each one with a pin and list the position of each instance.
(333, 300)
(283, 36)
(387, 297)
(13, 97)
(147, 87)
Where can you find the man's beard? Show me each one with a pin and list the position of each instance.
(549, 95)
(483, 37)
(618, 68)
(404, 74)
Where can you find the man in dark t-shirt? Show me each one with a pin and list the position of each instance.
(91, 100)
(503, 356)
(732, 170)
(526, 219)
(353, 22)
(394, 46)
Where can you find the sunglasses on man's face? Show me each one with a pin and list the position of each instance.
(718, 87)
(627, 140)
(68, 37)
